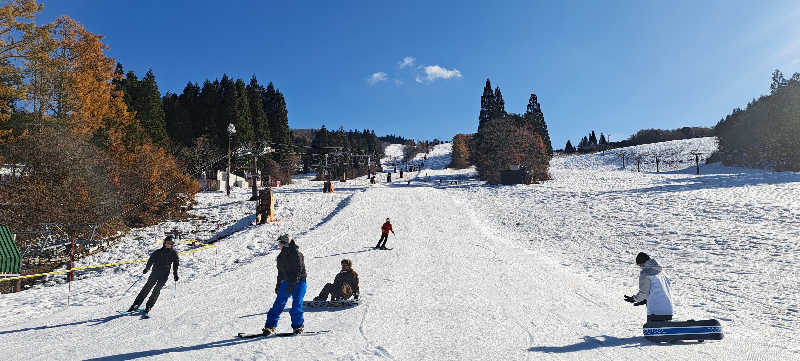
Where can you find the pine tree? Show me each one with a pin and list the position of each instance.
(119, 78)
(499, 110)
(487, 105)
(592, 139)
(583, 146)
(208, 102)
(569, 148)
(224, 110)
(603, 139)
(278, 117)
(259, 117)
(150, 111)
(535, 117)
(241, 115)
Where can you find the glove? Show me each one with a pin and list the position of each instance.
(642, 302)
(145, 271)
(276, 289)
(176, 278)
(289, 289)
(355, 296)
(629, 299)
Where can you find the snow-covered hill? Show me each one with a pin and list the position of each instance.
(477, 271)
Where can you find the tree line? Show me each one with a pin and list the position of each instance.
(764, 134)
(590, 143)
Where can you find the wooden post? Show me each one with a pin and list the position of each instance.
(266, 206)
(638, 164)
(658, 161)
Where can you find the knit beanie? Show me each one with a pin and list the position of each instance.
(641, 258)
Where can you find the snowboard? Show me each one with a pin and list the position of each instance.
(331, 304)
(670, 331)
(281, 334)
(382, 249)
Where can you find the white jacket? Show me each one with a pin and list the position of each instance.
(654, 287)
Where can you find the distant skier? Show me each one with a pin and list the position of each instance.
(160, 260)
(344, 285)
(291, 283)
(385, 229)
(654, 290)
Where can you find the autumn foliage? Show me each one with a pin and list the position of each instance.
(460, 159)
(73, 135)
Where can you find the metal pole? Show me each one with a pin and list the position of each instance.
(228, 175)
(70, 275)
(697, 163)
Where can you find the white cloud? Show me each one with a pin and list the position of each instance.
(377, 77)
(433, 72)
(407, 61)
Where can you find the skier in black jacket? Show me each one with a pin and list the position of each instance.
(291, 283)
(160, 260)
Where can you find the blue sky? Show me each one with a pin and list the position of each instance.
(613, 66)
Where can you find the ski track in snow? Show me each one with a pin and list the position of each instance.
(476, 271)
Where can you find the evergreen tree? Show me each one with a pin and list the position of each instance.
(499, 110)
(150, 111)
(224, 110)
(487, 105)
(259, 117)
(569, 148)
(278, 117)
(208, 102)
(535, 117)
(241, 115)
(592, 139)
(119, 78)
(584, 145)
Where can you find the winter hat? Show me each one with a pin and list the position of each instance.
(641, 258)
(387, 219)
(284, 239)
(347, 262)
(168, 240)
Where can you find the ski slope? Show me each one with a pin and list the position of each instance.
(477, 272)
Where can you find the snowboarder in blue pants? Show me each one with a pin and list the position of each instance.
(291, 283)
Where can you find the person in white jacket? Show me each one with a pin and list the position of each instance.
(654, 290)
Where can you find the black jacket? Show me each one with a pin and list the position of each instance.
(349, 277)
(291, 267)
(160, 260)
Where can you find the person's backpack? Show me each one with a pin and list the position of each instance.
(347, 291)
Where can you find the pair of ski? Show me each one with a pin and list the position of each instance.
(140, 311)
(281, 334)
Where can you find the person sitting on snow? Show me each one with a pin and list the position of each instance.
(654, 290)
(344, 285)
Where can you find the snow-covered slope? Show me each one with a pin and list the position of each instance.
(477, 271)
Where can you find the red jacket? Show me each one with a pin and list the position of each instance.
(386, 228)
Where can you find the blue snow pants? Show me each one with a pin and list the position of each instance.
(296, 312)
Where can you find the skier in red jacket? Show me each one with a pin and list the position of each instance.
(385, 229)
